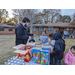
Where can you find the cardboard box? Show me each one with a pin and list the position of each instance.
(41, 56)
(45, 47)
(45, 57)
(37, 43)
(36, 55)
(20, 50)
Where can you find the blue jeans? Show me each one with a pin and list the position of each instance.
(52, 61)
(57, 62)
(65, 36)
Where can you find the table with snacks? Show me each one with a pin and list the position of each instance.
(30, 54)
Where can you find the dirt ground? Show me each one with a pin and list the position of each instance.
(8, 41)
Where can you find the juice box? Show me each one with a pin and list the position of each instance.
(36, 55)
(45, 57)
(45, 47)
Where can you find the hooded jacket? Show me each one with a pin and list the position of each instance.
(59, 46)
(69, 58)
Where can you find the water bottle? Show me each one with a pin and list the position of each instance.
(12, 64)
(11, 61)
(16, 57)
(22, 58)
(23, 61)
(8, 60)
(27, 64)
(23, 64)
(18, 63)
(15, 62)
(5, 63)
(11, 58)
(19, 57)
(8, 63)
(30, 64)
(35, 45)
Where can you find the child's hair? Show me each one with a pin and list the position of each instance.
(51, 35)
(44, 32)
(73, 47)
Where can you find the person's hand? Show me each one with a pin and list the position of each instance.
(39, 38)
(33, 34)
(50, 43)
(51, 51)
(48, 40)
(65, 44)
(45, 40)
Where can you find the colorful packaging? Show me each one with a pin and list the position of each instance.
(24, 51)
(26, 56)
(45, 47)
(45, 56)
(36, 56)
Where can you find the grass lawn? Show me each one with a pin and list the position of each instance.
(6, 50)
(8, 41)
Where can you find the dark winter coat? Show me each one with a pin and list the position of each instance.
(22, 35)
(59, 47)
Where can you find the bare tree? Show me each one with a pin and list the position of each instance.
(21, 13)
(65, 18)
(73, 19)
(17, 14)
(50, 15)
(3, 13)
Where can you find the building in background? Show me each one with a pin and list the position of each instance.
(53, 27)
(7, 29)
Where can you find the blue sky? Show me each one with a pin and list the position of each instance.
(63, 12)
(67, 11)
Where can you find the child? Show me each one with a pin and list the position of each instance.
(59, 47)
(52, 43)
(70, 57)
(64, 42)
(43, 38)
(32, 39)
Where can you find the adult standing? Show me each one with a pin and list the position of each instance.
(65, 34)
(22, 35)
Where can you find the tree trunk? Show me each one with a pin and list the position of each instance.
(31, 28)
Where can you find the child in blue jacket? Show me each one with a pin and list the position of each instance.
(43, 38)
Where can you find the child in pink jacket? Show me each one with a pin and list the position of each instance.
(70, 57)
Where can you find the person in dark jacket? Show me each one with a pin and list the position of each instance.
(22, 35)
(59, 48)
